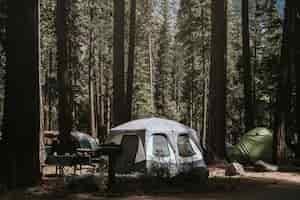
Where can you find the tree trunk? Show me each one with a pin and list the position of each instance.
(119, 108)
(205, 86)
(297, 66)
(92, 130)
(204, 108)
(45, 96)
(97, 103)
(217, 88)
(49, 90)
(75, 83)
(64, 89)
(108, 113)
(151, 70)
(131, 53)
(191, 91)
(248, 70)
(22, 125)
(284, 90)
(91, 74)
(101, 98)
(71, 66)
(204, 123)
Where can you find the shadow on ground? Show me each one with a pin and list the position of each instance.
(218, 187)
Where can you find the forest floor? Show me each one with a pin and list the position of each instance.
(253, 185)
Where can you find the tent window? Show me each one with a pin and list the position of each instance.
(160, 146)
(184, 146)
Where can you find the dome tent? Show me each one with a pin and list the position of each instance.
(157, 145)
(255, 145)
(85, 141)
(82, 140)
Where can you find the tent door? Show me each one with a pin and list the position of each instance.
(129, 147)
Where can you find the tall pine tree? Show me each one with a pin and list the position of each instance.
(217, 88)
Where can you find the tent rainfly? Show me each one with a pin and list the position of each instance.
(157, 146)
(255, 145)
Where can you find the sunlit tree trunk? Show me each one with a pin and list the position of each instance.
(205, 84)
(101, 95)
(49, 90)
(151, 70)
(191, 91)
(91, 63)
(65, 120)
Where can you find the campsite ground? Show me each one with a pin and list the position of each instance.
(275, 185)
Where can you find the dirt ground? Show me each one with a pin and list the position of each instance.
(253, 185)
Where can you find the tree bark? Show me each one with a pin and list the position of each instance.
(108, 108)
(151, 69)
(217, 87)
(22, 125)
(204, 114)
(284, 90)
(101, 97)
(248, 70)
(49, 90)
(65, 120)
(131, 53)
(119, 108)
(205, 85)
(45, 95)
(297, 66)
(91, 75)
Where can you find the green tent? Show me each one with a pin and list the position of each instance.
(254, 145)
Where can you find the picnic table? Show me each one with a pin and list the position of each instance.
(85, 150)
(61, 161)
(84, 156)
(68, 160)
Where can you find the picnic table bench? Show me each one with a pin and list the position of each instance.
(68, 160)
(60, 162)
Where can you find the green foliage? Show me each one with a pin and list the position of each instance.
(268, 34)
(142, 97)
(193, 37)
(265, 40)
(235, 106)
(80, 26)
(165, 105)
(172, 59)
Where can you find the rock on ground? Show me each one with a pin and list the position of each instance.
(262, 166)
(234, 169)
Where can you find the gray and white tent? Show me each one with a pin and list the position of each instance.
(157, 145)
